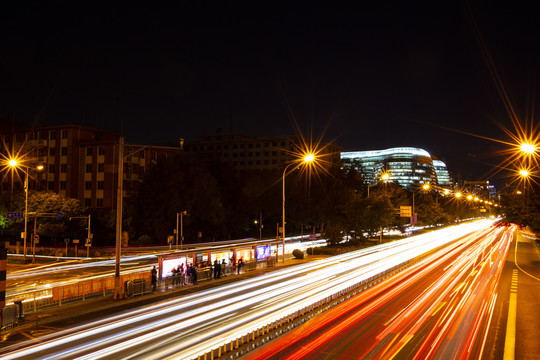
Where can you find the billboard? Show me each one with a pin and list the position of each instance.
(170, 264)
(263, 252)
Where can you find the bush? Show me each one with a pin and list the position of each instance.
(298, 254)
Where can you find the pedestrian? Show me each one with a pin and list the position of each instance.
(173, 276)
(240, 264)
(182, 275)
(154, 278)
(222, 267)
(216, 274)
(188, 274)
(194, 275)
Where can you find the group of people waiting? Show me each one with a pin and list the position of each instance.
(181, 276)
(188, 275)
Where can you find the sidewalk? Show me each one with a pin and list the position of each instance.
(106, 305)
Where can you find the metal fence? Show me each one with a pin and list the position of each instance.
(136, 284)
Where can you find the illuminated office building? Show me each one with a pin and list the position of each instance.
(406, 166)
(443, 176)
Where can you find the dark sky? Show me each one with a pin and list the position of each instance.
(372, 75)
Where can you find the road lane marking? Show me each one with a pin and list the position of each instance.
(439, 308)
(402, 346)
(510, 339)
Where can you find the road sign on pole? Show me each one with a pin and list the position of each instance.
(405, 211)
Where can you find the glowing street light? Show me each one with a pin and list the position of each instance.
(528, 148)
(308, 159)
(524, 173)
(458, 195)
(15, 163)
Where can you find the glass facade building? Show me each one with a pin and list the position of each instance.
(406, 166)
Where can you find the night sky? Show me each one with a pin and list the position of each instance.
(368, 75)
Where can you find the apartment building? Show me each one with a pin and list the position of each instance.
(77, 161)
(244, 152)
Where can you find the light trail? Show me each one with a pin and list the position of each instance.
(440, 308)
(189, 326)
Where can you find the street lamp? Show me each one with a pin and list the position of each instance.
(14, 164)
(384, 177)
(424, 187)
(180, 214)
(307, 159)
(528, 148)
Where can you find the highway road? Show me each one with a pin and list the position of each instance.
(191, 325)
(440, 308)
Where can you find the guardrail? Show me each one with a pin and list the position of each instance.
(238, 347)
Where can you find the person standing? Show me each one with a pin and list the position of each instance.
(154, 278)
(194, 275)
(216, 273)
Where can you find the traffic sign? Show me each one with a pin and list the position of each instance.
(15, 215)
(66, 240)
(170, 239)
(59, 215)
(75, 241)
(405, 211)
(36, 238)
(88, 242)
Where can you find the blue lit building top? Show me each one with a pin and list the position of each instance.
(406, 166)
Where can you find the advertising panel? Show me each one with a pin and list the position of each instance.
(170, 264)
(244, 254)
(263, 252)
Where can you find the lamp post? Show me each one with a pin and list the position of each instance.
(524, 173)
(180, 214)
(308, 158)
(384, 177)
(14, 164)
(425, 187)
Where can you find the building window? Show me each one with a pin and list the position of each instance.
(100, 185)
(62, 185)
(63, 168)
(258, 162)
(257, 145)
(99, 202)
(41, 152)
(88, 185)
(266, 162)
(250, 146)
(266, 153)
(51, 168)
(63, 151)
(64, 134)
(88, 168)
(88, 151)
(87, 202)
(52, 151)
(101, 150)
(101, 167)
(50, 185)
(52, 135)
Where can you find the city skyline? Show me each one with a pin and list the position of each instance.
(369, 77)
